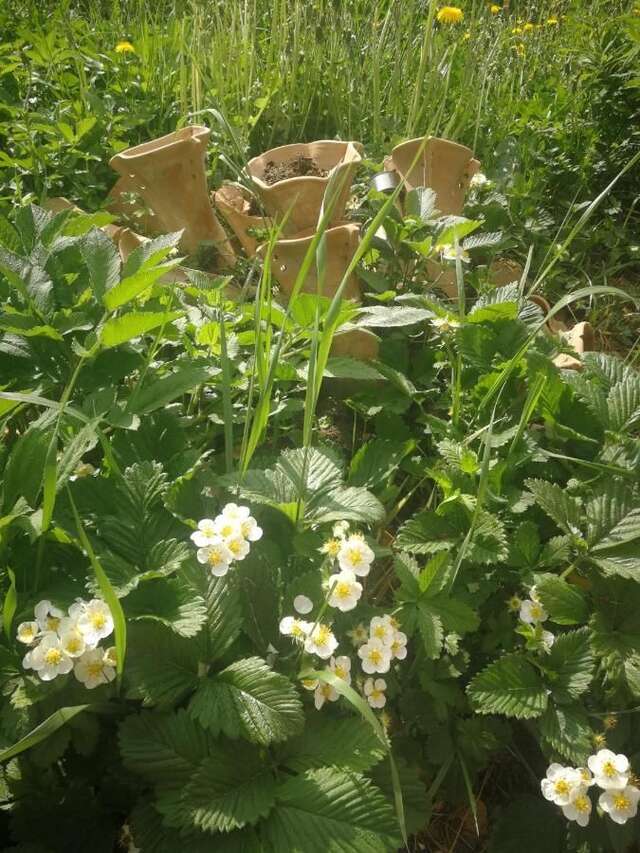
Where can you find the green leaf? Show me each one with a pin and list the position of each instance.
(344, 367)
(346, 503)
(23, 471)
(529, 825)
(165, 749)
(132, 286)
(570, 665)
(42, 731)
(9, 605)
(565, 603)
(348, 743)
(170, 602)
(566, 728)
(558, 505)
(426, 533)
(615, 626)
(166, 389)
(431, 630)
(389, 315)
(612, 518)
(119, 330)
(249, 699)
(376, 461)
(151, 252)
(149, 834)
(623, 403)
(524, 545)
(230, 789)
(509, 686)
(102, 259)
(162, 667)
(330, 811)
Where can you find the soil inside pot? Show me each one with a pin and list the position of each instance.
(297, 167)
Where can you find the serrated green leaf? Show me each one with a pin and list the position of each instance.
(150, 834)
(330, 810)
(524, 545)
(346, 503)
(162, 667)
(431, 630)
(564, 602)
(566, 728)
(509, 686)
(134, 285)
(119, 330)
(169, 602)
(529, 825)
(164, 390)
(102, 258)
(623, 403)
(558, 505)
(42, 731)
(570, 665)
(348, 743)
(249, 699)
(426, 533)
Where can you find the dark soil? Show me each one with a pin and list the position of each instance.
(295, 168)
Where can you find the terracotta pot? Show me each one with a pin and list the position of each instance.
(169, 174)
(582, 338)
(503, 271)
(234, 203)
(125, 201)
(444, 166)
(288, 255)
(302, 196)
(443, 277)
(356, 343)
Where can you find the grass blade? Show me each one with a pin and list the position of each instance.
(10, 604)
(43, 730)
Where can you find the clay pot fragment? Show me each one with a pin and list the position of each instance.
(444, 166)
(293, 179)
(235, 203)
(355, 342)
(582, 338)
(288, 255)
(169, 175)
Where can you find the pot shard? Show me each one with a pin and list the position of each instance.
(288, 255)
(300, 198)
(169, 175)
(444, 166)
(234, 203)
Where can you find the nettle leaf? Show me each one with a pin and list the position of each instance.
(567, 730)
(330, 810)
(165, 749)
(102, 258)
(427, 533)
(162, 668)
(558, 505)
(570, 665)
(565, 603)
(232, 788)
(348, 743)
(509, 686)
(249, 699)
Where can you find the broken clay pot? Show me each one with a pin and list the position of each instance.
(169, 174)
(355, 342)
(288, 255)
(234, 203)
(444, 166)
(301, 196)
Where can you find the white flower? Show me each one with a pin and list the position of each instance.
(321, 642)
(250, 530)
(587, 779)
(235, 513)
(227, 528)
(49, 658)
(71, 638)
(205, 534)
(83, 469)
(217, 557)
(448, 251)
(532, 612)
(533, 594)
(296, 628)
(238, 546)
(376, 657)
(95, 622)
(302, 604)
(579, 807)
(547, 639)
(358, 635)
(340, 529)
(560, 784)
(374, 691)
(94, 669)
(398, 646)
(355, 555)
(47, 616)
(479, 180)
(345, 591)
(381, 628)
(331, 548)
(341, 666)
(444, 324)
(111, 657)
(324, 692)
(27, 632)
(610, 771)
(620, 805)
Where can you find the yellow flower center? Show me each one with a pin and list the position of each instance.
(621, 802)
(322, 635)
(585, 775)
(215, 556)
(340, 671)
(354, 555)
(380, 632)
(609, 770)
(562, 787)
(343, 589)
(53, 657)
(332, 547)
(98, 620)
(52, 623)
(375, 656)
(73, 645)
(94, 669)
(581, 803)
(226, 530)
(296, 630)
(27, 633)
(536, 611)
(376, 694)
(235, 546)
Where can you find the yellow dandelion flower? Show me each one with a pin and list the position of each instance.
(552, 21)
(495, 9)
(516, 31)
(466, 36)
(520, 49)
(450, 15)
(125, 47)
(528, 27)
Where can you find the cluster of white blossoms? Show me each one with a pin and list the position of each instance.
(61, 642)
(568, 787)
(225, 538)
(531, 612)
(379, 645)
